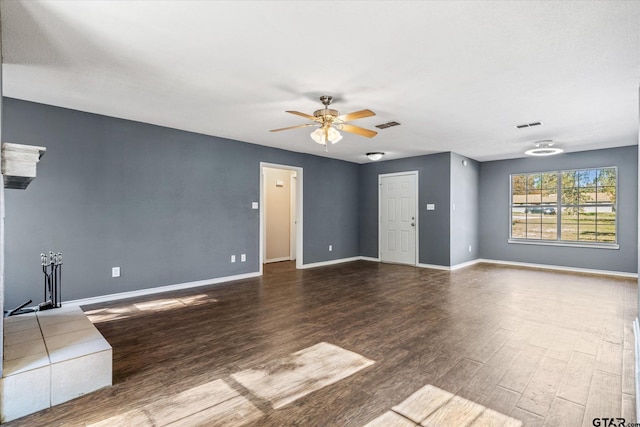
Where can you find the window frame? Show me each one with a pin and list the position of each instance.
(558, 206)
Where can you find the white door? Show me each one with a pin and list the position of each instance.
(398, 218)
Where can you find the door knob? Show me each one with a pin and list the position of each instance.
(413, 224)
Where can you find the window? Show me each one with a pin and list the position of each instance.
(585, 212)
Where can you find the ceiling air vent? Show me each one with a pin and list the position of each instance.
(387, 125)
(528, 125)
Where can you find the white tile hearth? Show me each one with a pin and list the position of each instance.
(16, 337)
(24, 364)
(71, 338)
(25, 393)
(50, 329)
(81, 375)
(78, 350)
(51, 357)
(24, 321)
(51, 317)
(22, 349)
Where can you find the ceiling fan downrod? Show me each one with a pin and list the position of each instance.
(326, 100)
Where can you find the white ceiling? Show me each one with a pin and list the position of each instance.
(458, 75)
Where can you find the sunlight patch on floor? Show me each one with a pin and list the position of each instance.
(217, 404)
(431, 406)
(212, 404)
(290, 378)
(173, 303)
(157, 305)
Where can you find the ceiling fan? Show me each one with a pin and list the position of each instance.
(329, 121)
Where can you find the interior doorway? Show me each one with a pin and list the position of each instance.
(280, 214)
(397, 235)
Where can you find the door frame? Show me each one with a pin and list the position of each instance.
(417, 211)
(293, 219)
(299, 210)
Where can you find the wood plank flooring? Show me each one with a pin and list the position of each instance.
(546, 348)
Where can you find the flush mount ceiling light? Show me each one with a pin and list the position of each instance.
(544, 148)
(329, 121)
(375, 155)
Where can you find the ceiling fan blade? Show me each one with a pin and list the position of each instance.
(306, 116)
(357, 130)
(293, 127)
(356, 115)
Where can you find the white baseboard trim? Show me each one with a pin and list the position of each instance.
(434, 266)
(465, 264)
(331, 262)
(560, 268)
(284, 258)
(151, 291)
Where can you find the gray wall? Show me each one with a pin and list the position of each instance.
(434, 184)
(167, 206)
(494, 211)
(465, 189)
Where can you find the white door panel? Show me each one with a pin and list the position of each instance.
(398, 218)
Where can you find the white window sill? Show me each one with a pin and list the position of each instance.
(567, 244)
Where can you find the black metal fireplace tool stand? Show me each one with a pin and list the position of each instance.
(52, 270)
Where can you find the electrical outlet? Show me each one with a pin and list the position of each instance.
(469, 248)
(330, 248)
(115, 272)
(233, 258)
(243, 257)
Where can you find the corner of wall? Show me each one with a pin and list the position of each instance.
(464, 190)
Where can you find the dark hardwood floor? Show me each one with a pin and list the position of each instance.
(547, 348)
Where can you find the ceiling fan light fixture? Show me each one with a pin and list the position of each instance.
(333, 135)
(375, 156)
(320, 136)
(544, 148)
(330, 122)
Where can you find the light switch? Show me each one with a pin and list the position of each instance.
(254, 205)
(431, 206)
